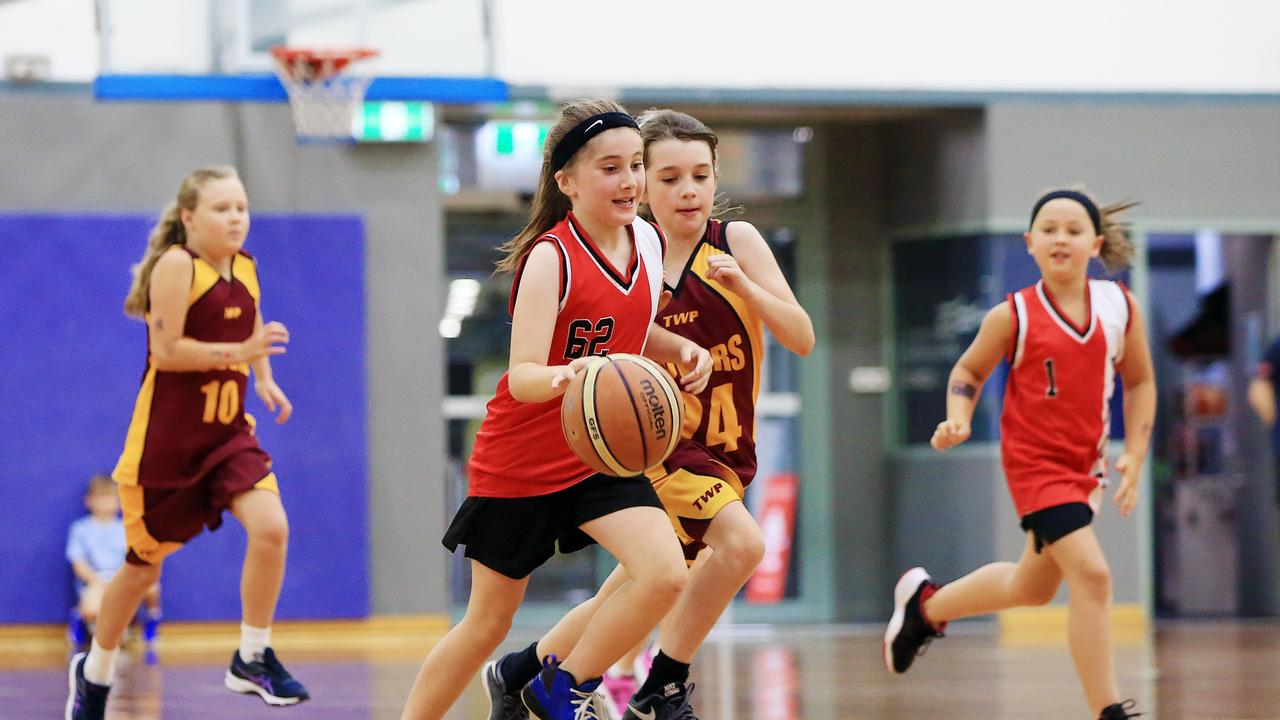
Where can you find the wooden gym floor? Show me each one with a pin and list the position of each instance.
(1194, 670)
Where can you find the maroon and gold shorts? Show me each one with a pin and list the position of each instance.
(158, 521)
(694, 487)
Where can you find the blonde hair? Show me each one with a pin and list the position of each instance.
(549, 204)
(167, 232)
(1117, 246)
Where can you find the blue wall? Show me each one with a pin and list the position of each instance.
(71, 365)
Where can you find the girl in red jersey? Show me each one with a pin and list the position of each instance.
(726, 288)
(1065, 339)
(588, 281)
(190, 452)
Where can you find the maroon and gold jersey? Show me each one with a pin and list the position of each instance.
(186, 423)
(722, 418)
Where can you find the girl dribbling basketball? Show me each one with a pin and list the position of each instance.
(588, 281)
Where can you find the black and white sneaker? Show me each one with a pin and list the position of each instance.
(909, 633)
(1119, 711)
(265, 678)
(85, 700)
(672, 703)
(504, 704)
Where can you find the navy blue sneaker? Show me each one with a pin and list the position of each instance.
(553, 696)
(671, 703)
(504, 703)
(266, 678)
(85, 700)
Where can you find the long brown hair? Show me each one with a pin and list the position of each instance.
(167, 232)
(549, 204)
(666, 124)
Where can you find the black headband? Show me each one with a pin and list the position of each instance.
(573, 140)
(1081, 198)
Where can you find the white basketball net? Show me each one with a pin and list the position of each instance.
(324, 98)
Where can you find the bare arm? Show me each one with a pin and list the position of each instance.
(1262, 398)
(171, 350)
(665, 346)
(970, 373)
(753, 273)
(533, 323)
(1138, 376)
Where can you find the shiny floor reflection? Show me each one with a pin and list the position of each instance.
(1187, 670)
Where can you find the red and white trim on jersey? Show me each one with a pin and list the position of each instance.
(1057, 409)
(520, 450)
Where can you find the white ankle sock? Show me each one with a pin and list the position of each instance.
(99, 666)
(253, 642)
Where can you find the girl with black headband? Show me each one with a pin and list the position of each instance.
(588, 281)
(1065, 339)
(726, 290)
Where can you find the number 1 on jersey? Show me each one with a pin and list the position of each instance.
(1052, 390)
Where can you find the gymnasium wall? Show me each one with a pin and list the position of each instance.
(74, 362)
(71, 156)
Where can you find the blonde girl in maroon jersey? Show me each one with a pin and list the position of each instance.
(1065, 338)
(588, 280)
(190, 452)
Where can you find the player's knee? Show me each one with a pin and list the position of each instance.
(1092, 580)
(274, 533)
(744, 551)
(487, 630)
(666, 583)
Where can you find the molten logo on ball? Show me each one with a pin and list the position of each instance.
(657, 410)
(621, 414)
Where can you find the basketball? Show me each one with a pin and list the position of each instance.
(621, 414)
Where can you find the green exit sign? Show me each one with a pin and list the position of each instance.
(519, 138)
(386, 121)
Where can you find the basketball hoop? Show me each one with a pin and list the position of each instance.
(324, 97)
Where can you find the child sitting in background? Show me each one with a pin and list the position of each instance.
(96, 549)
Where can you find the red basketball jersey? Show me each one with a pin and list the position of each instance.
(1057, 405)
(520, 450)
(185, 423)
(722, 417)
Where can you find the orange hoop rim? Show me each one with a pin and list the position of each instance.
(322, 61)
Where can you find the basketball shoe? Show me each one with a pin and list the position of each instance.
(1119, 711)
(504, 704)
(672, 703)
(909, 633)
(265, 678)
(553, 696)
(86, 700)
(619, 688)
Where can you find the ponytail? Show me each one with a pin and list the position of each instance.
(168, 232)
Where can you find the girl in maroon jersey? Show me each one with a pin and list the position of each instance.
(588, 280)
(1065, 338)
(726, 288)
(190, 452)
